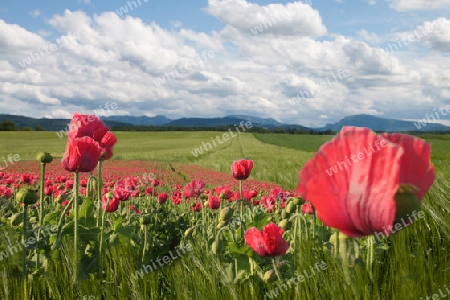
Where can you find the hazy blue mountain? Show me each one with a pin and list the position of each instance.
(47, 124)
(382, 124)
(139, 120)
(372, 122)
(265, 121)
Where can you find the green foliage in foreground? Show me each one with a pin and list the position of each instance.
(411, 264)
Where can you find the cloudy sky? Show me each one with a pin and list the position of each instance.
(309, 62)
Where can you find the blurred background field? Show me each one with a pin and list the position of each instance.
(278, 157)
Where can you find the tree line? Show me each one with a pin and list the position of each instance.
(9, 125)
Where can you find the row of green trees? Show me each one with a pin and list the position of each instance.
(8, 125)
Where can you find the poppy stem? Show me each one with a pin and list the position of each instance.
(276, 269)
(145, 242)
(41, 209)
(336, 244)
(314, 224)
(242, 207)
(100, 249)
(343, 249)
(75, 228)
(370, 254)
(24, 251)
(99, 191)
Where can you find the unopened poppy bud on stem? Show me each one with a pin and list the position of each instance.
(226, 214)
(27, 196)
(406, 203)
(44, 157)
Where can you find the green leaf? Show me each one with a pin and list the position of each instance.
(86, 213)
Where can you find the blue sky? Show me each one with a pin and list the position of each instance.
(154, 59)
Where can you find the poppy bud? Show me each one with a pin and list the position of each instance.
(298, 200)
(188, 232)
(16, 219)
(283, 224)
(27, 196)
(270, 276)
(44, 157)
(220, 225)
(226, 214)
(217, 246)
(290, 208)
(406, 202)
(145, 220)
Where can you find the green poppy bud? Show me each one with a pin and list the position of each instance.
(217, 246)
(145, 220)
(220, 225)
(298, 200)
(27, 196)
(290, 208)
(16, 219)
(270, 276)
(284, 224)
(406, 202)
(44, 157)
(188, 232)
(226, 214)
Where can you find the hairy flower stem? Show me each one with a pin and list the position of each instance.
(343, 249)
(100, 248)
(145, 242)
(75, 229)
(24, 252)
(99, 191)
(41, 209)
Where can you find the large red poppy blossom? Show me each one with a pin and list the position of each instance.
(81, 155)
(352, 181)
(241, 169)
(92, 126)
(268, 242)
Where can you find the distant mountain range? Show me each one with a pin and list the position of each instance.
(373, 122)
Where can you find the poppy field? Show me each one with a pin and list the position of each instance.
(119, 215)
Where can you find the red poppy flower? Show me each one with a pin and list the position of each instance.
(194, 188)
(81, 155)
(91, 126)
(113, 203)
(149, 191)
(307, 209)
(135, 209)
(213, 202)
(196, 207)
(162, 198)
(268, 242)
(352, 181)
(122, 192)
(241, 169)
(176, 200)
(268, 203)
